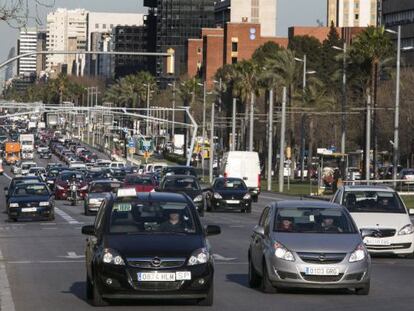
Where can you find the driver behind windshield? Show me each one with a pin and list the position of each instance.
(173, 224)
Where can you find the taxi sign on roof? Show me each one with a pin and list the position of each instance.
(127, 192)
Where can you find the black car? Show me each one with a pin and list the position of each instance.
(178, 170)
(185, 184)
(31, 200)
(44, 153)
(19, 180)
(149, 246)
(230, 193)
(51, 175)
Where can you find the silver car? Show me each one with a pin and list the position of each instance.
(97, 192)
(308, 244)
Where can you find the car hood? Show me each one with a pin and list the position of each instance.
(314, 242)
(97, 195)
(191, 193)
(152, 245)
(380, 220)
(28, 199)
(237, 194)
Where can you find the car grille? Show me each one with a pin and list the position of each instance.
(287, 275)
(384, 233)
(389, 247)
(29, 204)
(158, 286)
(354, 276)
(147, 263)
(322, 258)
(322, 278)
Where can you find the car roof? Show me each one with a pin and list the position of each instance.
(307, 204)
(161, 196)
(180, 176)
(368, 188)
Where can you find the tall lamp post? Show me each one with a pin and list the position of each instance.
(302, 152)
(173, 112)
(397, 103)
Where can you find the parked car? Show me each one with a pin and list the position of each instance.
(230, 194)
(381, 210)
(149, 246)
(97, 192)
(186, 184)
(30, 200)
(308, 244)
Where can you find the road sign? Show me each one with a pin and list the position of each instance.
(131, 143)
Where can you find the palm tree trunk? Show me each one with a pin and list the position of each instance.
(246, 121)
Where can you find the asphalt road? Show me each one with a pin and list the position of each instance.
(42, 268)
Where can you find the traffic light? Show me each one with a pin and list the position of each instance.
(171, 61)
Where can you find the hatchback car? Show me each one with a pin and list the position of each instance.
(380, 209)
(149, 246)
(308, 244)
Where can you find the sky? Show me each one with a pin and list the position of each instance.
(290, 12)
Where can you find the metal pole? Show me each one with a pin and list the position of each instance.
(233, 128)
(212, 142)
(397, 113)
(203, 134)
(270, 143)
(368, 141)
(343, 125)
(148, 105)
(251, 122)
(282, 142)
(173, 112)
(302, 153)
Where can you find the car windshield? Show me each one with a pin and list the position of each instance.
(104, 187)
(181, 184)
(72, 175)
(373, 202)
(30, 190)
(407, 172)
(138, 180)
(313, 220)
(230, 184)
(136, 217)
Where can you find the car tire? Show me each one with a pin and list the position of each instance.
(254, 277)
(209, 300)
(249, 209)
(89, 288)
(266, 286)
(255, 198)
(97, 299)
(363, 291)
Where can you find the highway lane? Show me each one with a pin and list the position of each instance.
(45, 269)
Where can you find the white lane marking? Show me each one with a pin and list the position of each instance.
(48, 224)
(66, 217)
(222, 258)
(7, 176)
(49, 228)
(6, 299)
(72, 255)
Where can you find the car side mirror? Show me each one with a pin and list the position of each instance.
(213, 230)
(367, 233)
(411, 211)
(259, 230)
(88, 230)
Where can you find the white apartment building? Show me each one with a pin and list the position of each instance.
(352, 13)
(263, 12)
(27, 43)
(67, 31)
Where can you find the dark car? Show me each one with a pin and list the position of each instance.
(31, 200)
(19, 180)
(63, 181)
(44, 153)
(185, 184)
(178, 170)
(97, 174)
(118, 174)
(149, 246)
(97, 192)
(141, 182)
(230, 193)
(51, 175)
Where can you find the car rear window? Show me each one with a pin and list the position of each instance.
(373, 202)
(138, 180)
(104, 187)
(181, 184)
(230, 184)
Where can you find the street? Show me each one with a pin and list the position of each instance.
(46, 270)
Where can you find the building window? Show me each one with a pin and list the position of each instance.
(234, 46)
(234, 60)
(356, 17)
(104, 26)
(198, 51)
(97, 26)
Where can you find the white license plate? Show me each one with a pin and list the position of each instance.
(374, 241)
(233, 201)
(164, 277)
(321, 271)
(29, 209)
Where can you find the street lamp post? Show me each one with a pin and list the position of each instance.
(148, 106)
(173, 112)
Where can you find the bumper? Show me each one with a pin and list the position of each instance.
(398, 245)
(124, 283)
(292, 274)
(224, 204)
(94, 208)
(41, 212)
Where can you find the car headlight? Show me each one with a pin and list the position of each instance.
(247, 196)
(112, 257)
(408, 229)
(217, 196)
(358, 254)
(95, 201)
(198, 198)
(14, 205)
(198, 257)
(282, 252)
(60, 187)
(44, 203)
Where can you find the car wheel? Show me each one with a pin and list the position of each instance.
(208, 301)
(89, 288)
(249, 209)
(363, 291)
(255, 198)
(266, 285)
(97, 299)
(254, 277)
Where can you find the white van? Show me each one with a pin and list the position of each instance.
(244, 165)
